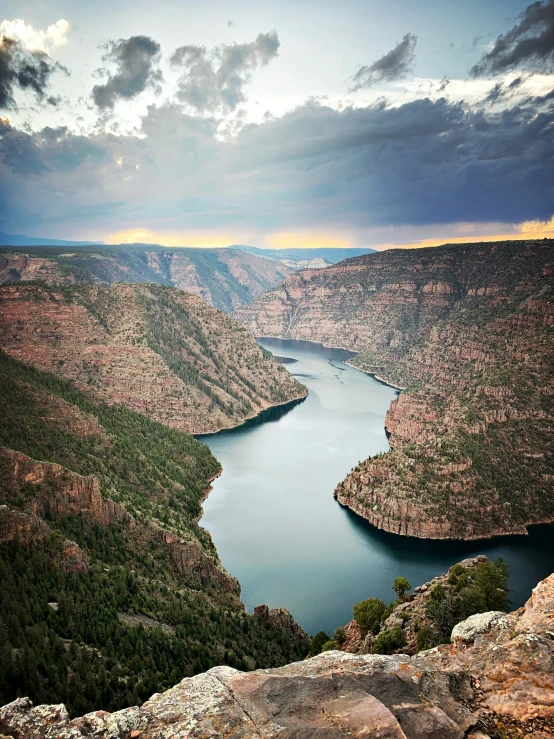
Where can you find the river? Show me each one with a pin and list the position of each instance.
(278, 529)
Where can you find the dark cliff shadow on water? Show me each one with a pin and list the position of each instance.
(284, 360)
(270, 415)
(530, 557)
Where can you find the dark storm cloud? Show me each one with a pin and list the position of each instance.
(394, 65)
(424, 162)
(214, 79)
(136, 61)
(24, 69)
(529, 44)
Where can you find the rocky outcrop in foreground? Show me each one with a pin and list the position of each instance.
(466, 331)
(495, 679)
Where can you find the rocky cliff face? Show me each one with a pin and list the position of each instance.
(224, 278)
(466, 331)
(154, 349)
(494, 680)
(44, 491)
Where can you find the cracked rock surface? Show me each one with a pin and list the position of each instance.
(497, 683)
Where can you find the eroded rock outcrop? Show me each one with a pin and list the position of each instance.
(410, 614)
(498, 685)
(45, 490)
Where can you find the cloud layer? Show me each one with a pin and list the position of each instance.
(423, 162)
(194, 163)
(23, 69)
(34, 39)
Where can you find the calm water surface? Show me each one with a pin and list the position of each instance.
(277, 527)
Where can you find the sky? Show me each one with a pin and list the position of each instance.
(375, 123)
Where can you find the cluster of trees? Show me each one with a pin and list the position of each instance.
(483, 588)
(479, 589)
(62, 637)
(139, 462)
(132, 623)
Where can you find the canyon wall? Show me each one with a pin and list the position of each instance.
(224, 278)
(467, 332)
(154, 349)
(110, 588)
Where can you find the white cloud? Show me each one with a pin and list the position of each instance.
(34, 39)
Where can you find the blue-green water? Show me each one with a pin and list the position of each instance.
(278, 529)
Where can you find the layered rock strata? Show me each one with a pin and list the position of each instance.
(44, 490)
(497, 682)
(466, 332)
(154, 349)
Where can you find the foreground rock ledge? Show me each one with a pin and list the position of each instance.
(496, 679)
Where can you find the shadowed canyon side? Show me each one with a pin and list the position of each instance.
(467, 332)
(493, 680)
(110, 589)
(224, 278)
(154, 349)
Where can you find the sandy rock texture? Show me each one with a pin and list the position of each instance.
(498, 684)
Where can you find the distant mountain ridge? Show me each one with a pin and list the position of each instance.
(22, 240)
(332, 254)
(306, 258)
(224, 278)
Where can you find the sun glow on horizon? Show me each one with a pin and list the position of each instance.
(319, 239)
(526, 230)
(204, 240)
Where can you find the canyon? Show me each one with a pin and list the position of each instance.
(225, 278)
(154, 349)
(466, 332)
(493, 681)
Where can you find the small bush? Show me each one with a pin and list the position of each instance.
(389, 642)
(368, 614)
(317, 643)
(426, 639)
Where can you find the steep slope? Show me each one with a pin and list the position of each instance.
(493, 682)
(224, 278)
(110, 589)
(467, 331)
(154, 349)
